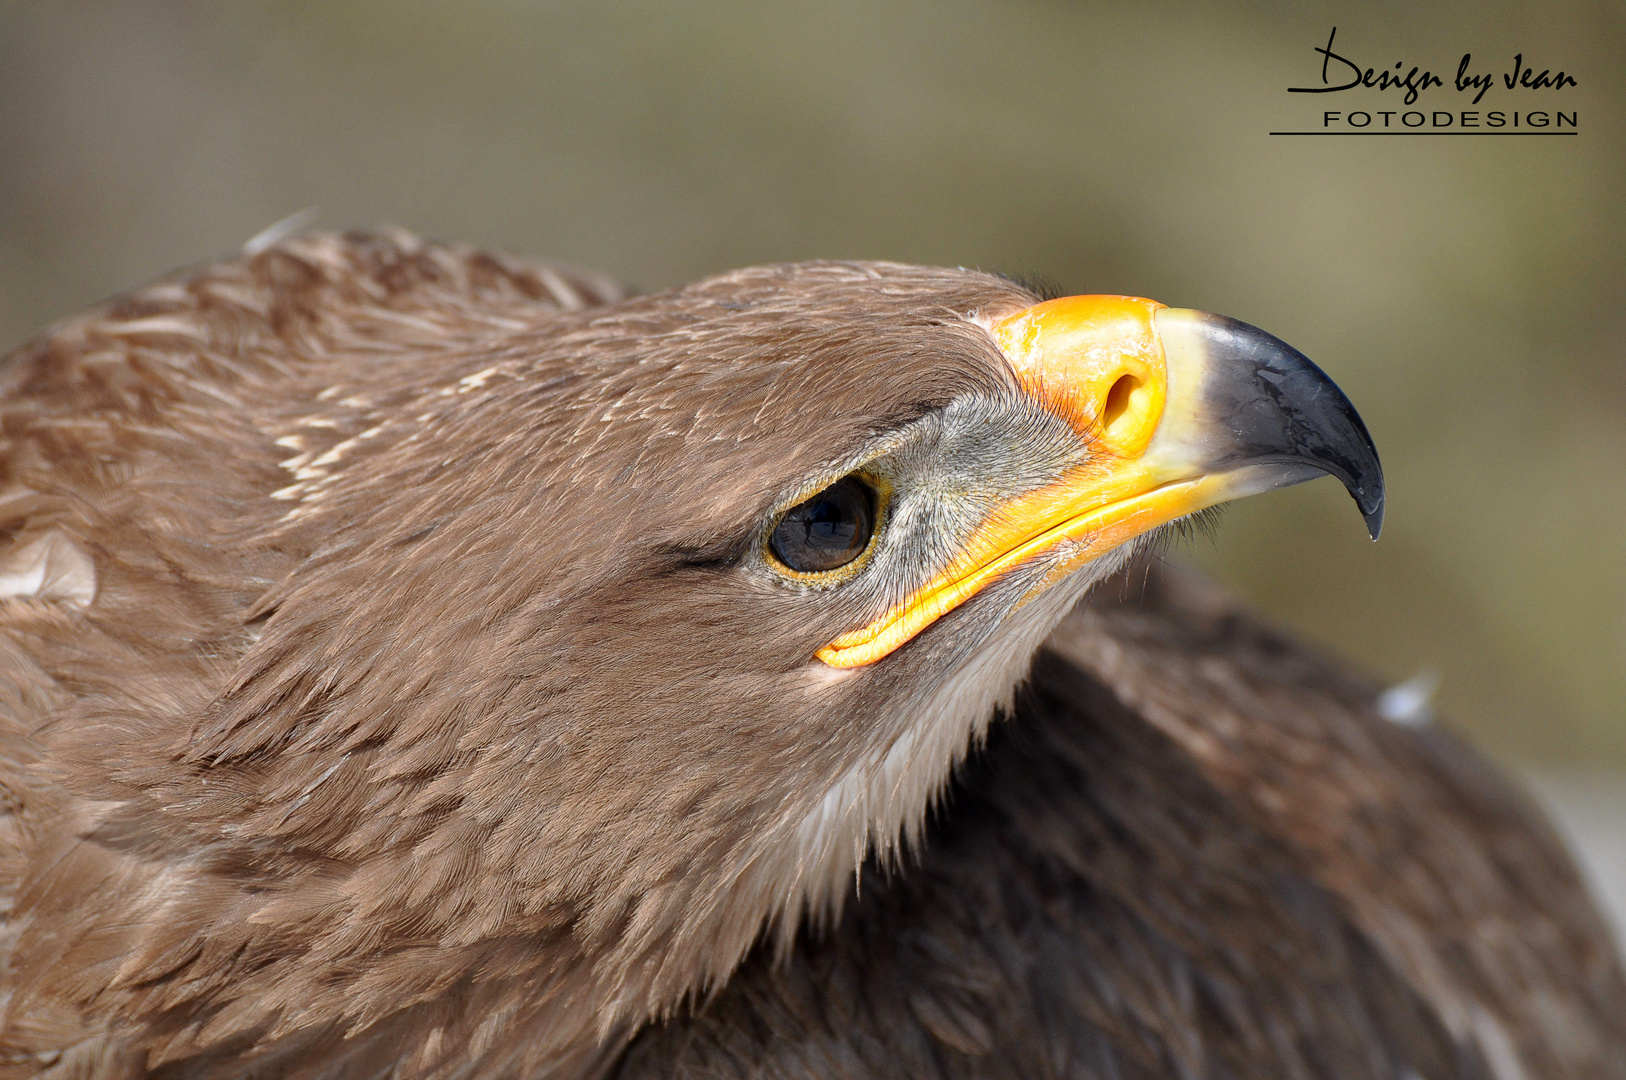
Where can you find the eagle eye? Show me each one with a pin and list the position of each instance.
(829, 530)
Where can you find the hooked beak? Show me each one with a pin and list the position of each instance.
(1181, 410)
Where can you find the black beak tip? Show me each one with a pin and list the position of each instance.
(1355, 462)
(1279, 405)
(1362, 473)
(1374, 516)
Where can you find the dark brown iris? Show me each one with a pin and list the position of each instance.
(827, 531)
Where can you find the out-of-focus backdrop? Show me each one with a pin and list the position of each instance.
(1466, 291)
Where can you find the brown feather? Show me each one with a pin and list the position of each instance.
(386, 692)
(1194, 850)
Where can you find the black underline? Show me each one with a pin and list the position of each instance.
(1471, 133)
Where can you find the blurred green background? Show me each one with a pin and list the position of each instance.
(1467, 292)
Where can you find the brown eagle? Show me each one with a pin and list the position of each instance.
(416, 662)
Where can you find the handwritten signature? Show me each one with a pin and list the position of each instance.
(1418, 79)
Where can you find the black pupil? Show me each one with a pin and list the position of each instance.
(827, 531)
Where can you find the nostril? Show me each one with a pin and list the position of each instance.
(1118, 400)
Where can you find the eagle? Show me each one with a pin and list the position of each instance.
(420, 662)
